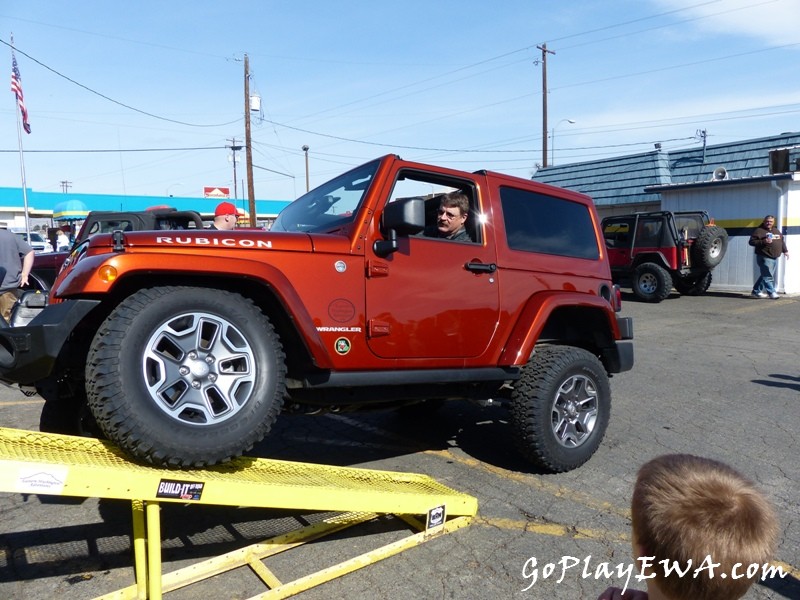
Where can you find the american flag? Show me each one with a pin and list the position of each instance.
(16, 87)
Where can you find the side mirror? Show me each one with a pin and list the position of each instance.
(404, 217)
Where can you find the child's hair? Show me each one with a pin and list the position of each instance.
(688, 508)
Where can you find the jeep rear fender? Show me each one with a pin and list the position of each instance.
(84, 279)
(585, 313)
(659, 258)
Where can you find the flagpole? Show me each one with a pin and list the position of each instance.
(24, 183)
(16, 87)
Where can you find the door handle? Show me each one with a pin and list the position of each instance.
(477, 267)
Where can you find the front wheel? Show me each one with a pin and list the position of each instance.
(185, 377)
(560, 407)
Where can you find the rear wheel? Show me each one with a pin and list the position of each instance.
(560, 407)
(185, 377)
(693, 287)
(651, 282)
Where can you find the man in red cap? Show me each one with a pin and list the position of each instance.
(225, 216)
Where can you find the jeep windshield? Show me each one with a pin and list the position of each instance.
(330, 206)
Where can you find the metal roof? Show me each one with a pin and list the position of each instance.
(625, 179)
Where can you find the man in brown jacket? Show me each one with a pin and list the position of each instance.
(769, 245)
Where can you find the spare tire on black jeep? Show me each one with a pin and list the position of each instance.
(709, 248)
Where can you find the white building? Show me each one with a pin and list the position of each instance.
(738, 184)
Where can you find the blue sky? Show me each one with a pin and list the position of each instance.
(159, 86)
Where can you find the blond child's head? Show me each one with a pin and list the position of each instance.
(690, 508)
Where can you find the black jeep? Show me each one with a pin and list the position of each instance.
(47, 265)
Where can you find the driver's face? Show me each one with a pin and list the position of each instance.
(450, 220)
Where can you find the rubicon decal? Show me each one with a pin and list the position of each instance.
(179, 490)
(203, 241)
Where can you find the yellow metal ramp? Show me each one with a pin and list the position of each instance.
(42, 463)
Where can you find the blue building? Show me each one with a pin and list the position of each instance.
(41, 206)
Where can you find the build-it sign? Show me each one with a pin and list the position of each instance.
(216, 192)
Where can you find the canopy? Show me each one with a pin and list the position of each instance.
(70, 210)
(242, 217)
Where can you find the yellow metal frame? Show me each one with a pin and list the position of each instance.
(42, 463)
(253, 556)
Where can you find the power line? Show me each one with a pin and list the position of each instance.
(116, 150)
(117, 102)
(405, 87)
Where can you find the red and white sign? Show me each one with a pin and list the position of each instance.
(216, 192)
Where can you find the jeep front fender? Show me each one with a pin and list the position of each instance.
(85, 278)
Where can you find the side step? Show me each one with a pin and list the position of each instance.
(43, 463)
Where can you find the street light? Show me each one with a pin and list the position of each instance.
(305, 149)
(553, 138)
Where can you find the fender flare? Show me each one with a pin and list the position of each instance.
(82, 280)
(534, 317)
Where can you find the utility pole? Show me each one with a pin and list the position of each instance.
(251, 197)
(305, 150)
(65, 185)
(703, 135)
(234, 148)
(545, 52)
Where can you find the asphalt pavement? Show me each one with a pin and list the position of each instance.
(715, 375)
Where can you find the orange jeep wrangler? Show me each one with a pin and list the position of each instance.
(184, 346)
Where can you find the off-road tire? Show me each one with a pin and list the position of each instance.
(560, 407)
(710, 246)
(693, 287)
(651, 282)
(185, 377)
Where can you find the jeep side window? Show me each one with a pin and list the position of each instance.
(536, 222)
(648, 233)
(617, 234)
(430, 187)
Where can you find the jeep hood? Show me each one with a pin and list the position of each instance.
(209, 238)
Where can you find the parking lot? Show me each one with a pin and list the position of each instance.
(715, 375)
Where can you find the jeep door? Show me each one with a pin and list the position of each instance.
(618, 234)
(433, 298)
